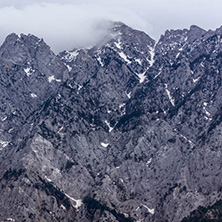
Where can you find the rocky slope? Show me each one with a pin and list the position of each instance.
(129, 130)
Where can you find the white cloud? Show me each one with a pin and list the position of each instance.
(65, 24)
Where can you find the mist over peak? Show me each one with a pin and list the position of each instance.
(69, 24)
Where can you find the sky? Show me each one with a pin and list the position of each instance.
(68, 24)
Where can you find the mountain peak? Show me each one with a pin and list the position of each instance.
(195, 32)
(195, 28)
(18, 48)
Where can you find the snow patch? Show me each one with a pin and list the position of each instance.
(169, 95)
(141, 77)
(100, 61)
(28, 71)
(108, 124)
(177, 55)
(204, 108)
(61, 128)
(152, 211)
(33, 95)
(195, 80)
(69, 68)
(10, 219)
(121, 180)
(139, 61)
(124, 57)
(122, 105)
(149, 161)
(152, 54)
(79, 87)
(157, 75)
(52, 78)
(63, 207)
(78, 202)
(4, 118)
(4, 143)
(137, 208)
(70, 86)
(128, 95)
(10, 130)
(118, 44)
(49, 180)
(187, 139)
(104, 144)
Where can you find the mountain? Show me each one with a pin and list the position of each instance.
(128, 130)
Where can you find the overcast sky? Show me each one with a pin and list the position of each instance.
(65, 24)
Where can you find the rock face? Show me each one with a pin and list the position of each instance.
(129, 130)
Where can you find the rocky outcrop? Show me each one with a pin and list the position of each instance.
(129, 130)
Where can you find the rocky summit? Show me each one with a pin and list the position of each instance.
(129, 130)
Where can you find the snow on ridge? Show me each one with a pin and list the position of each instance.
(19, 35)
(74, 53)
(70, 56)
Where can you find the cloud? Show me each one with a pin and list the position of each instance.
(61, 26)
(66, 24)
